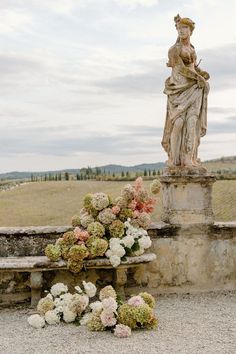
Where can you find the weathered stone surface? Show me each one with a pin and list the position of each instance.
(187, 199)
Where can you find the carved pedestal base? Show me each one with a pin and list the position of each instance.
(36, 283)
(187, 199)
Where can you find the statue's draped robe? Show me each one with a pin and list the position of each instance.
(185, 99)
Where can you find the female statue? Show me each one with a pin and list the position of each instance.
(187, 90)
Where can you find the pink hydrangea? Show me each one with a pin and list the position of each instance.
(109, 304)
(122, 331)
(81, 235)
(136, 301)
(136, 214)
(115, 209)
(108, 319)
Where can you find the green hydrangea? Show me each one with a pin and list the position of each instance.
(74, 266)
(53, 252)
(95, 323)
(155, 186)
(117, 228)
(127, 315)
(96, 246)
(149, 299)
(125, 213)
(153, 323)
(69, 238)
(75, 221)
(87, 201)
(143, 314)
(96, 229)
(65, 251)
(78, 253)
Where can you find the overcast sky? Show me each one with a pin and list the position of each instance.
(82, 80)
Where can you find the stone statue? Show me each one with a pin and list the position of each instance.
(187, 90)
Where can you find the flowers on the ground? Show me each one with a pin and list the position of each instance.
(110, 313)
(106, 228)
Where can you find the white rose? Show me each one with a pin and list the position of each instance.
(90, 289)
(51, 317)
(96, 306)
(115, 261)
(36, 321)
(58, 289)
(128, 241)
(68, 315)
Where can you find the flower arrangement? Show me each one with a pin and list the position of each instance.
(106, 313)
(106, 228)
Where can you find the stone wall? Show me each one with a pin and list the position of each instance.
(189, 258)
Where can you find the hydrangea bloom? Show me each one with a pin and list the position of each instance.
(94, 322)
(45, 304)
(106, 292)
(89, 288)
(36, 321)
(115, 261)
(81, 235)
(100, 201)
(86, 219)
(53, 252)
(122, 331)
(117, 228)
(109, 304)
(58, 289)
(68, 315)
(96, 229)
(128, 241)
(155, 186)
(149, 299)
(136, 301)
(96, 306)
(108, 319)
(52, 318)
(75, 221)
(106, 216)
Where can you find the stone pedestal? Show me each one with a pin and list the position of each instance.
(187, 199)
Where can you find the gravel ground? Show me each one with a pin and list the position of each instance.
(201, 323)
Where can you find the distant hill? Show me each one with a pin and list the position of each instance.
(223, 162)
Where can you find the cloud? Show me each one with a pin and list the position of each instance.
(221, 110)
(134, 3)
(227, 126)
(12, 20)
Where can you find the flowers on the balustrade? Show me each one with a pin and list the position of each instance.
(117, 228)
(122, 331)
(80, 234)
(89, 288)
(100, 221)
(106, 292)
(106, 216)
(136, 301)
(96, 246)
(155, 186)
(96, 229)
(45, 304)
(36, 321)
(86, 219)
(78, 252)
(58, 289)
(52, 317)
(53, 252)
(100, 201)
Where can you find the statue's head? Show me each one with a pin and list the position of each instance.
(184, 25)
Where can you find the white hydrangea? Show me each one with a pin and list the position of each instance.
(114, 242)
(66, 299)
(115, 261)
(78, 289)
(58, 289)
(108, 253)
(144, 242)
(51, 317)
(36, 321)
(109, 304)
(85, 319)
(96, 306)
(89, 288)
(49, 296)
(84, 301)
(58, 302)
(68, 315)
(128, 241)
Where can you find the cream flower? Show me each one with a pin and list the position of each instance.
(128, 241)
(145, 242)
(36, 321)
(109, 304)
(89, 288)
(96, 306)
(108, 319)
(58, 289)
(68, 315)
(52, 318)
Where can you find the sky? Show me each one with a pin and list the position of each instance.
(82, 80)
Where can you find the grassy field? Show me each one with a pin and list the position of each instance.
(54, 203)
